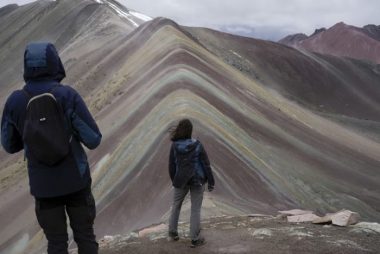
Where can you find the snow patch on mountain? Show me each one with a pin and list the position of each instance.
(134, 17)
(140, 16)
(123, 13)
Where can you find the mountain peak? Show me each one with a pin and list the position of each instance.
(134, 17)
(373, 31)
(340, 24)
(342, 40)
(317, 31)
(7, 9)
(293, 39)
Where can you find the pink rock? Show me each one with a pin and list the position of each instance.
(345, 218)
(303, 218)
(295, 212)
(342, 218)
(147, 231)
(323, 220)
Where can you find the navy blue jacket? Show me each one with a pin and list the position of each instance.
(203, 172)
(43, 70)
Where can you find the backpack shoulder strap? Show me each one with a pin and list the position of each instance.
(29, 96)
(198, 146)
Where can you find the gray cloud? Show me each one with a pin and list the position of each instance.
(268, 19)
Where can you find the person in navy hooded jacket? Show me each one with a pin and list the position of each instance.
(64, 187)
(187, 155)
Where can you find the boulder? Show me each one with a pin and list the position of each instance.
(295, 212)
(303, 218)
(323, 220)
(342, 218)
(345, 218)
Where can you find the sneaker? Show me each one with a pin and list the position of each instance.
(173, 236)
(196, 243)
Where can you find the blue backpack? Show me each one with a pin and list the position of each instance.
(185, 162)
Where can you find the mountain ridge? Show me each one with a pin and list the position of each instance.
(341, 40)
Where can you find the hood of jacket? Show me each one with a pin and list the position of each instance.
(42, 62)
(185, 145)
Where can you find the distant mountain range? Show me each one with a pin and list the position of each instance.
(340, 40)
(284, 128)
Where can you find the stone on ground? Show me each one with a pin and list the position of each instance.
(303, 218)
(345, 218)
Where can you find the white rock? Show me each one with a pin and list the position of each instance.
(348, 243)
(323, 220)
(108, 237)
(372, 226)
(303, 218)
(301, 234)
(133, 235)
(258, 215)
(345, 218)
(295, 212)
(260, 232)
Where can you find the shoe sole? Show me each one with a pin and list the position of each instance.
(171, 239)
(195, 246)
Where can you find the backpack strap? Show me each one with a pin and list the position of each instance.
(175, 157)
(197, 146)
(69, 124)
(29, 96)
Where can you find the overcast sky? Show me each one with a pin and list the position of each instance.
(267, 19)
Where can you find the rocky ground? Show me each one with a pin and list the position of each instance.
(247, 234)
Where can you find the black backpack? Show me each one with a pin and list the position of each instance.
(185, 166)
(45, 135)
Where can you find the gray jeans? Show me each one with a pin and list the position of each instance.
(196, 194)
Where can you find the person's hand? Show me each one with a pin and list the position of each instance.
(210, 188)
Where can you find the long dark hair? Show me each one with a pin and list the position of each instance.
(183, 130)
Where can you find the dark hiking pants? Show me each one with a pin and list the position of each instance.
(80, 208)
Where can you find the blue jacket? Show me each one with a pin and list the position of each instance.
(43, 70)
(203, 172)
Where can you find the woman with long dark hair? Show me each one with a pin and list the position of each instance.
(189, 170)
